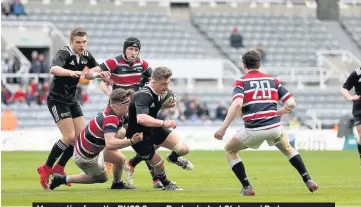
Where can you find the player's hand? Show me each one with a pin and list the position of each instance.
(355, 98)
(109, 82)
(121, 133)
(137, 137)
(170, 124)
(220, 133)
(76, 74)
(105, 75)
(170, 105)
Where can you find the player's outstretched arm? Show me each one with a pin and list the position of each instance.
(93, 73)
(233, 111)
(289, 105)
(105, 88)
(59, 71)
(58, 63)
(148, 121)
(112, 143)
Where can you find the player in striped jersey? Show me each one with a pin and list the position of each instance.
(255, 96)
(127, 71)
(99, 142)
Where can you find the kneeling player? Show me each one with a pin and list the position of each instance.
(98, 142)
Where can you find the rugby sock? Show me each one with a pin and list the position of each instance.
(55, 153)
(68, 153)
(297, 162)
(150, 168)
(173, 157)
(238, 169)
(359, 149)
(135, 160)
(163, 179)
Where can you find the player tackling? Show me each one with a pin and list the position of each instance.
(255, 95)
(98, 142)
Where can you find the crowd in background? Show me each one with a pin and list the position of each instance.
(34, 93)
(192, 109)
(14, 7)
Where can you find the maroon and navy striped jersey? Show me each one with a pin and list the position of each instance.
(260, 93)
(91, 140)
(126, 75)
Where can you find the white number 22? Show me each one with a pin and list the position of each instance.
(265, 87)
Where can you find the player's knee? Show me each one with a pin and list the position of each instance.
(68, 137)
(159, 167)
(122, 159)
(181, 149)
(229, 149)
(102, 178)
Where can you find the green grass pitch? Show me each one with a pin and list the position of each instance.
(337, 172)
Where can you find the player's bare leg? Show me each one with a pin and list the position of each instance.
(129, 170)
(67, 130)
(358, 128)
(232, 148)
(297, 162)
(117, 158)
(157, 163)
(174, 143)
(79, 125)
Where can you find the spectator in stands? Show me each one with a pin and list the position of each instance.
(19, 95)
(221, 111)
(236, 39)
(294, 123)
(41, 97)
(15, 68)
(34, 62)
(4, 9)
(203, 112)
(42, 67)
(261, 51)
(85, 97)
(186, 100)
(17, 8)
(191, 112)
(6, 96)
(6, 67)
(30, 98)
(181, 110)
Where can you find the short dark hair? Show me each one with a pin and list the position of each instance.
(252, 59)
(120, 96)
(78, 31)
(160, 73)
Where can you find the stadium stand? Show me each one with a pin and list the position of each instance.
(161, 37)
(290, 42)
(352, 23)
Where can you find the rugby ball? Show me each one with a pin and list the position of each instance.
(168, 97)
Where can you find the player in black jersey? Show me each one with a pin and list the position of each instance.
(143, 110)
(354, 81)
(126, 71)
(67, 67)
